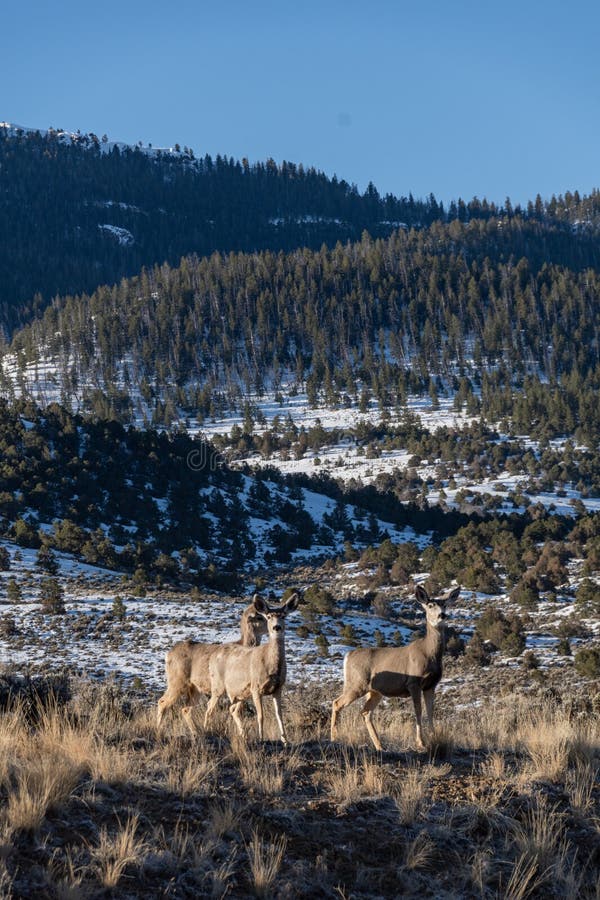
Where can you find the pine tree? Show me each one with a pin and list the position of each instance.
(119, 610)
(52, 596)
(46, 560)
(322, 644)
(14, 594)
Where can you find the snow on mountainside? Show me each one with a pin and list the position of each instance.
(151, 626)
(76, 137)
(346, 460)
(341, 459)
(93, 641)
(122, 235)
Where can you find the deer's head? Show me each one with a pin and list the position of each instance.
(274, 616)
(435, 607)
(253, 626)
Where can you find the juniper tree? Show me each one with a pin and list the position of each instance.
(52, 596)
(14, 593)
(46, 560)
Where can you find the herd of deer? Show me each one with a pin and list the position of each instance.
(248, 669)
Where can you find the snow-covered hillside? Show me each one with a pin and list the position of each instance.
(344, 459)
(91, 641)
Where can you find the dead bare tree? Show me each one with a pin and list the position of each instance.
(411, 671)
(253, 672)
(186, 665)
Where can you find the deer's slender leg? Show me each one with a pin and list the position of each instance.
(373, 699)
(235, 710)
(257, 700)
(214, 699)
(171, 696)
(338, 704)
(166, 702)
(428, 697)
(188, 714)
(173, 693)
(277, 708)
(415, 693)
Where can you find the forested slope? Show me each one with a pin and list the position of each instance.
(495, 309)
(77, 211)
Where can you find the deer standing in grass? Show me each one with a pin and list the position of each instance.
(253, 672)
(186, 666)
(411, 671)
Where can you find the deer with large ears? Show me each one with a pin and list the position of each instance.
(186, 666)
(253, 672)
(411, 671)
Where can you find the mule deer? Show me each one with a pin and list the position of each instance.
(186, 666)
(256, 672)
(398, 671)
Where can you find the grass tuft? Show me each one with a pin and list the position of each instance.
(35, 786)
(115, 852)
(411, 795)
(265, 858)
(350, 777)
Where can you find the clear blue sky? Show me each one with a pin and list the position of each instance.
(453, 97)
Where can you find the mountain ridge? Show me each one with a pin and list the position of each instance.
(67, 197)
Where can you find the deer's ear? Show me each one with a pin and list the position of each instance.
(259, 604)
(452, 595)
(421, 594)
(292, 603)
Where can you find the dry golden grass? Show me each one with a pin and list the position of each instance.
(38, 772)
(580, 783)
(494, 766)
(222, 724)
(115, 852)
(440, 741)
(222, 874)
(13, 735)
(525, 879)
(6, 882)
(479, 873)
(198, 854)
(110, 763)
(420, 853)
(265, 858)
(36, 786)
(547, 751)
(116, 807)
(195, 774)
(259, 773)
(302, 718)
(551, 737)
(411, 793)
(178, 842)
(223, 818)
(348, 778)
(541, 833)
(67, 879)
(394, 722)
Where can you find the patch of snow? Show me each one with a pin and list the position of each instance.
(123, 236)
